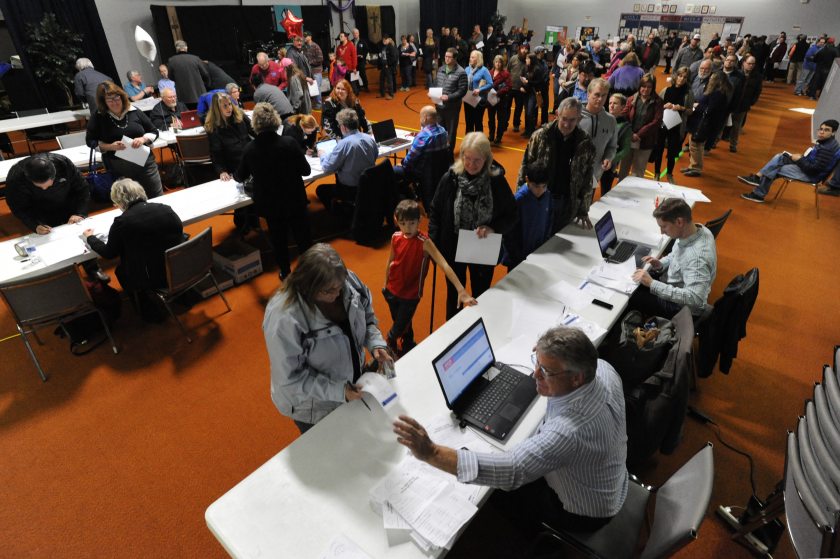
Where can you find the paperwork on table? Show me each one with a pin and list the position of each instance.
(615, 276)
(423, 504)
(380, 390)
(666, 190)
(342, 548)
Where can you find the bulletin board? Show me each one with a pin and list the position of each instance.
(642, 24)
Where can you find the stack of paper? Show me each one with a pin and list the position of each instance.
(593, 331)
(424, 504)
(615, 276)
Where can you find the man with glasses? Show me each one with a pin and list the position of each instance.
(813, 167)
(571, 473)
(569, 155)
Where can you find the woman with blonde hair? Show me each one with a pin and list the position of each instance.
(277, 167)
(472, 195)
(479, 82)
(303, 129)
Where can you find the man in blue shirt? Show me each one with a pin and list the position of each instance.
(431, 138)
(354, 153)
(135, 87)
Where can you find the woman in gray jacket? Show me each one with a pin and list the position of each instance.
(316, 329)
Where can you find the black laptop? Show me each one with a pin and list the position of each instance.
(493, 406)
(386, 135)
(612, 249)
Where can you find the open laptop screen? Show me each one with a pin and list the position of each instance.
(466, 359)
(383, 130)
(605, 231)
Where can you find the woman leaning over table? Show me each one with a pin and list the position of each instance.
(472, 195)
(114, 119)
(316, 329)
(277, 166)
(228, 132)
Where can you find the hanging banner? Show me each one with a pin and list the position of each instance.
(374, 21)
(555, 34)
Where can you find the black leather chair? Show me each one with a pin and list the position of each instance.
(375, 201)
(434, 166)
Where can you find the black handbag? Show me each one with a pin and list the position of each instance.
(99, 182)
(641, 348)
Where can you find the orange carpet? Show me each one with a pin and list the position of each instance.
(119, 455)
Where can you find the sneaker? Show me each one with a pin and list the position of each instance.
(684, 170)
(692, 173)
(752, 197)
(752, 180)
(828, 191)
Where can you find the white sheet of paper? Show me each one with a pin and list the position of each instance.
(492, 97)
(594, 332)
(138, 156)
(356, 77)
(341, 547)
(435, 94)
(473, 250)
(378, 386)
(471, 98)
(532, 317)
(596, 292)
(615, 276)
(479, 45)
(569, 295)
(671, 118)
(313, 89)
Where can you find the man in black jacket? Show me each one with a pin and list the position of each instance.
(361, 60)
(47, 190)
(190, 74)
(823, 61)
(388, 68)
(749, 96)
(167, 113)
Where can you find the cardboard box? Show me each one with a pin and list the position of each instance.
(207, 289)
(239, 259)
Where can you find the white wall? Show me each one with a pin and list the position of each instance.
(761, 17)
(119, 17)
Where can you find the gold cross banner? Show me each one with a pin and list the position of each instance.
(374, 21)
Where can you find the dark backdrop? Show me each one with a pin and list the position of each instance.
(388, 23)
(79, 15)
(463, 14)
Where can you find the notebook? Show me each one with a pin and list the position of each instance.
(386, 135)
(493, 406)
(189, 119)
(612, 249)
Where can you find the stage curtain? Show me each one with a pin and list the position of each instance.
(79, 15)
(387, 18)
(463, 14)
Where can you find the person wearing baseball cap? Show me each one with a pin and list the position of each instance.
(689, 54)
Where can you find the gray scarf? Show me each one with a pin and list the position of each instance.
(473, 201)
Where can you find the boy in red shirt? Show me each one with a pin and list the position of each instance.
(406, 273)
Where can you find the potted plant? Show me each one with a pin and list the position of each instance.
(52, 49)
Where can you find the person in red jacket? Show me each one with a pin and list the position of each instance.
(346, 51)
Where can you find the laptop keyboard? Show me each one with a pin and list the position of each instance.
(500, 388)
(395, 142)
(623, 251)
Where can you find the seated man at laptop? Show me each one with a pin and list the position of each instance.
(685, 276)
(431, 138)
(571, 473)
(354, 153)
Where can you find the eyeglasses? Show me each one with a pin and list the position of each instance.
(113, 98)
(545, 372)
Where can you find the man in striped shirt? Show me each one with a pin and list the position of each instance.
(571, 473)
(685, 276)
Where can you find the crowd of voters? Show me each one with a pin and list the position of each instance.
(605, 123)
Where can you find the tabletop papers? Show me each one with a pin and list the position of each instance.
(474, 250)
(593, 331)
(569, 295)
(424, 504)
(614, 276)
(666, 190)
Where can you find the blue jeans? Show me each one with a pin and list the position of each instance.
(779, 166)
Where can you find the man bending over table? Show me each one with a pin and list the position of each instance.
(571, 473)
(685, 276)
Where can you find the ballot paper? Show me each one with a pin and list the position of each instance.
(596, 291)
(471, 99)
(356, 77)
(435, 94)
(474, 250)
(615, 276)
(671, 118)
(138, 156)
(593, 331)
(479, 45)
(313, 89)
(569, 295)
(378, 386)
(492, 97)
(342, 548)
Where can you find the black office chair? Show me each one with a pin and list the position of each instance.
(715, 225)
(435, 165)
(376, 198)
(681, 505)
(55, 297)
(187, 265)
